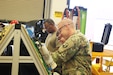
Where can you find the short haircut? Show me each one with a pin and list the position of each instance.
(67, 22)
(50, 21)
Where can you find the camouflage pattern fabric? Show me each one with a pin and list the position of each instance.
(74, 56)
(52, 42)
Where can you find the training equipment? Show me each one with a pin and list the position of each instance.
(46, 55)
(106, 33)
(99, 46)
(17, 33)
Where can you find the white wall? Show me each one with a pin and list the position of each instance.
(22, 10)
(99, 12)
(57, 5)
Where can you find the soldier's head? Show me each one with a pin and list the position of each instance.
(66, 28)
(49, 25)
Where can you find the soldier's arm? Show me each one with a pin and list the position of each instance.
(66, 51)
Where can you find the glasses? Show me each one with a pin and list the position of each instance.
(59, 31)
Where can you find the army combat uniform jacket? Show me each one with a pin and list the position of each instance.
(74, 56)
(52, 42)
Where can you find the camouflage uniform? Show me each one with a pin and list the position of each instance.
(52, 45)
(52, 42)
(74, 56)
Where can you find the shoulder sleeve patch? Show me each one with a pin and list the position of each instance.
(65, 45)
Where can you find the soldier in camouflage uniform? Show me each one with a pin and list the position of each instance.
(51, 41)
(73, 55)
